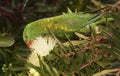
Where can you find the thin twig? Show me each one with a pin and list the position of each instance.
(116, 4)
(118, 73)
(61, 45)
(86, 65)
(26, 1)
(106, 8)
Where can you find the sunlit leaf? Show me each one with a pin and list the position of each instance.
(6, 41)
(104, 72)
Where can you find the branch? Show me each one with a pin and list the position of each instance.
(86, 65)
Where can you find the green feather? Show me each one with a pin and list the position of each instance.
(68, 23)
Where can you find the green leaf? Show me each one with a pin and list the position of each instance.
(104, 72)
(75, 42)
(82, 36)
(6, 41)
(67, 60)
(103, 64)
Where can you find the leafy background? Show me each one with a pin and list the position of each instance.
(15, 14)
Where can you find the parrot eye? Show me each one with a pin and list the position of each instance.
(26, 36)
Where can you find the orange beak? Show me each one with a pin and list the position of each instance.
(29, 43)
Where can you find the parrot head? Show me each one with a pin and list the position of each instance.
(35, 40)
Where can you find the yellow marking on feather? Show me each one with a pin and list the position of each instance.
(66, 29)
(56, 27)
(69, 30)
(62, 27)
(49, 25)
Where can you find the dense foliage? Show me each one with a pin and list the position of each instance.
(101, 51)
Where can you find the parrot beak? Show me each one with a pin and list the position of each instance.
(29, 43)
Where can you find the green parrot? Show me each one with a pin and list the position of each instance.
(40, 35)
(64, 23)
(44, 34)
